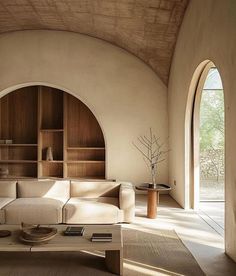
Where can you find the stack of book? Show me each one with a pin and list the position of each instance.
(101, 237)
(74, 231)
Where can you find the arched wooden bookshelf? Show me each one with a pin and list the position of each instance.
(38, 117)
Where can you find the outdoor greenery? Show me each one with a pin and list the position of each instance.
(212, 134)
(212, 119)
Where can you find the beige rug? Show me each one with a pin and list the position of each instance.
(158, 252)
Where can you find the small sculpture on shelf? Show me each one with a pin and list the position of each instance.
(7, 141)
(49, 155)
(4, 172)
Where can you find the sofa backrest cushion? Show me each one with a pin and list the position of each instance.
(8, 188)
(94, 189)
(44, 188)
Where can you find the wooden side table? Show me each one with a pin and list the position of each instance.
(153, 197)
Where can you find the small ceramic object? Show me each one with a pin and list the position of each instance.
(4, 172)
(49, 156)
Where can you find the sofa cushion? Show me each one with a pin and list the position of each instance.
(94, 189)
(8, 188)
(3, 202)
(102, 210)
(34, 210)
(44, 188)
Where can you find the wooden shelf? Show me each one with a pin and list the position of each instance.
(15, 177)
(84, 161)
(88, 178)
(18, 145)
(52, 130)
(18, 161)
(85, 148)
(53, 161)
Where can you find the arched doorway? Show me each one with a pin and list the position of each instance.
(208, 147)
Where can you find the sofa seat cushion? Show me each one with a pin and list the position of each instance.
(102, 210)
(35, 211)
(3, 202)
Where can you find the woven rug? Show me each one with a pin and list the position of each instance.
(158, 252)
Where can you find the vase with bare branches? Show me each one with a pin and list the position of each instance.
(153, 151)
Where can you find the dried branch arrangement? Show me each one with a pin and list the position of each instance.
(153, 152)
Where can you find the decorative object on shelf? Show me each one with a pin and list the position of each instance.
(153, 152)
(4, 172)
(6, 141)
(5, 233)
(49, 156)
(35, 234)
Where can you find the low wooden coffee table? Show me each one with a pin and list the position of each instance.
(153, 197)
(60, 243)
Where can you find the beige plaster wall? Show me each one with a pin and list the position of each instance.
(208, 32)
(125, 95)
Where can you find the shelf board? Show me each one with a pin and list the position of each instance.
(86, 148)
(18, 145)
(15, 177)
(53, 161)
(17, 161)
(84, 161)
(87, 178)
(52, 130)
(52, 177)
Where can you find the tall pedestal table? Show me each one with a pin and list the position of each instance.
(153, 197)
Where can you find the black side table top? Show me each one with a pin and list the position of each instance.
(157, 187)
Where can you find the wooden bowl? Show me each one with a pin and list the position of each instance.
(5, 233)
(37, 235)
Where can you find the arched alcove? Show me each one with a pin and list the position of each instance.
(37, 118)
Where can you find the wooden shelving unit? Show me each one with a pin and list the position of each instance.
(45, 117)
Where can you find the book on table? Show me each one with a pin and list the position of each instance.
(74, 231)
(101, 237)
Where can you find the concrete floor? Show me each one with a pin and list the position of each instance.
(213, 212)
(202, 240)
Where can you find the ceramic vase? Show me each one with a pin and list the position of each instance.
(49, 156)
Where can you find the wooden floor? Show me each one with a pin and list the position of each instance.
(203, 241)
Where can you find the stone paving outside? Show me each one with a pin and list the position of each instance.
(212, 190)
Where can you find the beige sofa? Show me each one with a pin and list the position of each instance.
(7, 195)
(64, 201)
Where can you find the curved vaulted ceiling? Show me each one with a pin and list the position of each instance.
(146, 28)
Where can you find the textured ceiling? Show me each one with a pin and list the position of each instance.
(146, 28)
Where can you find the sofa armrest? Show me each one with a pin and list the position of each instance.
(127, 201)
